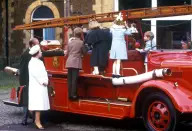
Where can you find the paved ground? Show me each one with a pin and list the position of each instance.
(8, 115)
(10, 119)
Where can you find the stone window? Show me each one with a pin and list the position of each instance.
(43, 13)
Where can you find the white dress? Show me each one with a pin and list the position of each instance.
(38, 93)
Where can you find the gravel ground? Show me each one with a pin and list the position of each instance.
(8, 115)
(10, 119)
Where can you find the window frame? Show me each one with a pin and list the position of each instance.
(39, 19)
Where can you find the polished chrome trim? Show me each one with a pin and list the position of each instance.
(131, 69)
(128, 104)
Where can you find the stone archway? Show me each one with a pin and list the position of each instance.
(30, 11)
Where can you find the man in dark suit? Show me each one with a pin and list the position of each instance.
(24, 78)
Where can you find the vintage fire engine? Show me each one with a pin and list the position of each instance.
(161, 96)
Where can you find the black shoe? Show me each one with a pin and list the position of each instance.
(118, 76)
(113, 76)
(102, 73)
(73, 97)
(24, 123)
(40, 128)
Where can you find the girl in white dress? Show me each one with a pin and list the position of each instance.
(38, 81)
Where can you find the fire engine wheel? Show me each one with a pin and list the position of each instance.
(159, 113)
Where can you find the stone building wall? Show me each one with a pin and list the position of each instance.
(20, 13)
(56, 7)
(2, 35)
(86, 7)
(19, 38)
(1, 29)
(91, 6)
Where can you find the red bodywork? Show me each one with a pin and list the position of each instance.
(100, 98)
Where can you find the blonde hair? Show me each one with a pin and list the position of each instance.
(119, 20)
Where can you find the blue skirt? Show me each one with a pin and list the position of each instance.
(118, 50)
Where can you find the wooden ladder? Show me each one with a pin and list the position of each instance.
(109, 17)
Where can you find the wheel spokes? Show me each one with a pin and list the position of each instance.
(159, 115)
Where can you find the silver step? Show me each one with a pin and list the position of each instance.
(11, 102)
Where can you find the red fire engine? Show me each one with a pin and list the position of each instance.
(160, 96)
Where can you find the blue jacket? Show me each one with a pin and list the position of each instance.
(118, 47)
(150, 45)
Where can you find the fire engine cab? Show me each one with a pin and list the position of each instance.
(160, 96)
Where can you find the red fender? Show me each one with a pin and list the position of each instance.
(180, 97)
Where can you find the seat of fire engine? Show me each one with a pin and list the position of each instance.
(55, 62)
(53, 52)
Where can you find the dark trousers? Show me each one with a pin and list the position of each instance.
(25, 115)
(72, 77)
(44, 117)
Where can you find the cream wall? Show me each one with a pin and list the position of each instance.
(104, 6)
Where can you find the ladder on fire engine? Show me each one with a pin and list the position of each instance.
(109, 17)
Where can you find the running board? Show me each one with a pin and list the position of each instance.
(11, 102)
(106, 101)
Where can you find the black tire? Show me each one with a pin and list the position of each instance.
(159, 113)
